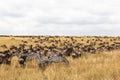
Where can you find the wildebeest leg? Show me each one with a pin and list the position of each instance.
(6, 61)
(41, 65)
(1, 60)
(49, 62)
(65, 60)
(22, 63)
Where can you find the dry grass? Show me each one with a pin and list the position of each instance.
(103, 66)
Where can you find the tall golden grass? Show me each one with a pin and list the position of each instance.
(104, 66)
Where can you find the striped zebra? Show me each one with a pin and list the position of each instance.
(57, 57)
(41, 60)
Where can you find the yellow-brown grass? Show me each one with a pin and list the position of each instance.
(104, 66)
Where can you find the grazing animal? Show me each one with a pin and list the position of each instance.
(4, 57)
(21, 58)
(57, 57)
(41, 60)
(68, 51)
(76, 55)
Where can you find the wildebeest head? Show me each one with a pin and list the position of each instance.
(68, 51)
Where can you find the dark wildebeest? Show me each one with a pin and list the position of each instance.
(5, 57)
(76, 55)
(68, 51)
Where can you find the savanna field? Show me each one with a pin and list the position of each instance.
(99, 59)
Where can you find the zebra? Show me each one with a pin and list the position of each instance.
(41, 60)
(57, 57)
(53, 57)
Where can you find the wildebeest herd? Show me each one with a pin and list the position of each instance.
(55, 49)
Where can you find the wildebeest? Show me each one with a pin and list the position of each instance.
(76, 55)
(5, 57)
(68, 51)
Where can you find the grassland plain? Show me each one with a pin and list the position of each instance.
(99, 66)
